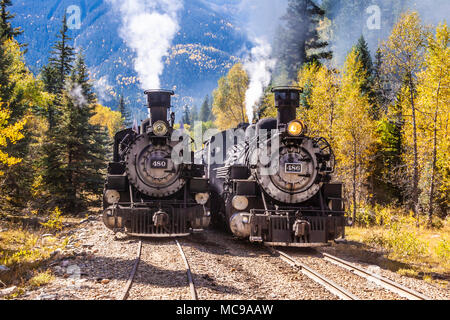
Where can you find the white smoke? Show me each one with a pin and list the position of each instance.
(262, 18)
(148, 28)
(259, 67)
(78, 98)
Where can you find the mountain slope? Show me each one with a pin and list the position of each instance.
(208, 44)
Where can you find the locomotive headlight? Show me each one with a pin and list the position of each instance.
(112, 196)
(296, 128)
(240, 203)
(160, 128)
(202, 198)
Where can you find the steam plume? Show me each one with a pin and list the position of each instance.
(148, 28)
(262, 18)
(78, 98)
(259, 67)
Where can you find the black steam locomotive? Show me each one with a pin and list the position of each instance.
(274, 186)
(148, 191)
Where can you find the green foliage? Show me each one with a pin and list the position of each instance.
(125, 112)
(6, 30)
(63, 56)
(75, 148)
(186, 119)
(205, 111)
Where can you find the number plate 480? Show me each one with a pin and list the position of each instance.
(159, 164)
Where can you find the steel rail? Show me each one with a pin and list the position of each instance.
(377, 279)
(126, 291)
(315, 276)
(188, 271)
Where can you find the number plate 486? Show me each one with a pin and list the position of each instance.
(293, 168)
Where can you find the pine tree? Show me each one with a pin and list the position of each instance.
(194, 115)
(54, 75)
(81, 145)
(205, 110)
(63, 56)
(6, 30)
(186, 119)
(381, 88)
(80, 75)
(126, 114)
(363, 55)
(299, 40)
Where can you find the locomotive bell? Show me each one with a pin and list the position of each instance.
(287, 100)
(159, 102)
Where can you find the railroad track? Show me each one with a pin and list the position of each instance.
(330, 285)
(341, 292)
(124, 295)
(377, 279)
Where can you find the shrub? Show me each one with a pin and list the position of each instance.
(384, 216)
(41, 279)
(365, 216)
(443, 250)
(54, 222)
(405, 243)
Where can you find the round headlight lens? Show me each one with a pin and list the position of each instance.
(240, 203)
(202, 198)
(296, 128)
(112, 196)
(160, 128)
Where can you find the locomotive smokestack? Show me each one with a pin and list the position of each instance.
(287, 100)
(159, 102)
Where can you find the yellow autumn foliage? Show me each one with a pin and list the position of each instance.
(433, 92)
(30, 90)
(9, 133)
(354, 132)
(105, 117)
(322, 85)
(229, 98)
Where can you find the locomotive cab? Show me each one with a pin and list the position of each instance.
(149, 191)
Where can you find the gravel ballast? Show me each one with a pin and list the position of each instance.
(96, 266)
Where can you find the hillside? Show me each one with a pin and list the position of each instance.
(207, 45)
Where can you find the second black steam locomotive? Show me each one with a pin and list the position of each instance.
(148, 191)
(275, 184)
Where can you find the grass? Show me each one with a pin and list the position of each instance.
(395, 241)
(26, 252)
(41, 279)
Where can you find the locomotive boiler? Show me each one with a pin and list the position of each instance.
(149, 191)
(274, 186)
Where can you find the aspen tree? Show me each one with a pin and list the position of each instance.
(354, 129)
(403, 53)
(433, 117)
(229, 98)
